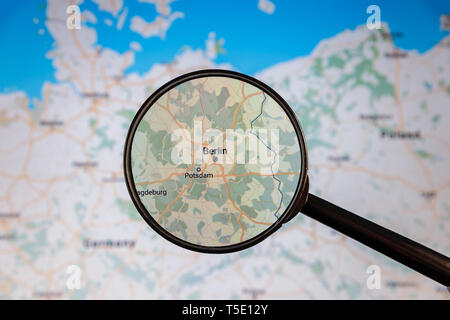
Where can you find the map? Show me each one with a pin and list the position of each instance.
(232, 180)
(372, 100)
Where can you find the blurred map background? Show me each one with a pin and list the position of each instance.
(373, 103)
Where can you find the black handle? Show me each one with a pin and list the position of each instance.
(412, 254)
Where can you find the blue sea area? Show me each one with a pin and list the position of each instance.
(254, 40)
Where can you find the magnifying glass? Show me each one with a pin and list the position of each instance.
(215, 161)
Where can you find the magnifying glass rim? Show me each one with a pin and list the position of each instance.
(129, 174)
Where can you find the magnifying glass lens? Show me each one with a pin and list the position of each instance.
(215, 161)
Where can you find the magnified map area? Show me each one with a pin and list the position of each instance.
(215, 161)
